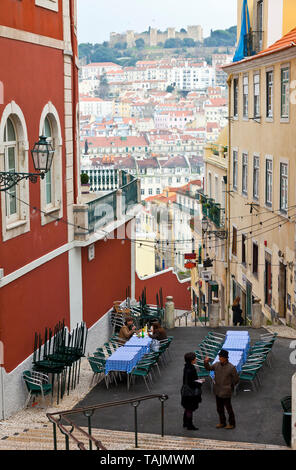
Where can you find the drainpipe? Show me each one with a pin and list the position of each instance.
(74, 99)
(227, 215)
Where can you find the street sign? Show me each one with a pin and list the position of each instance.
(206, 275)
(190, 255)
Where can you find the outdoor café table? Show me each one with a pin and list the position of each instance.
(237, 334)
(124, 359)
(143, 343)
(237, 344)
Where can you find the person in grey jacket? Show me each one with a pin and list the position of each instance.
(226, 377)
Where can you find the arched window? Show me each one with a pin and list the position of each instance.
(47, 132)
(51, 186)
(14, 149)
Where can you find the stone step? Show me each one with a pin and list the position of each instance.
(41, 438)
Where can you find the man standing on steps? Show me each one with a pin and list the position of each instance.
(226, 377)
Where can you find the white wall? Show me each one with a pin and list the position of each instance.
(275, 21)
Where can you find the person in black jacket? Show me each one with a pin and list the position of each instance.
(237, 312)
(190, 403)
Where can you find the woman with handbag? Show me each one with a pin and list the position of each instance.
(190, 391)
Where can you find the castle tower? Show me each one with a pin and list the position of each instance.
(195, 32)
(130, 38)
(153, 37)
(171, 33)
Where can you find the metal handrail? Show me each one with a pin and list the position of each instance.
(56, 418)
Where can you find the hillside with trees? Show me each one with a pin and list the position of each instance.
(121, 54)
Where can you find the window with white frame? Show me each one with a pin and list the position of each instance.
(51, 186)
(246, 96)
(245, 174)
(234, 241)
(285, 92)
(268, 182)
(235, 169)
(217, 195)
(284, 187)
(256, 95)
(14, 148)
(10, 164)
(256, 177)
(209, 184)
(49, 4)
(47, 132)
(269, 94)
(235, 97)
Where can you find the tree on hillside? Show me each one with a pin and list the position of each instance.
(140, 43)
(103, 90)
(172, 43)
(221, 37)
(85, 50)
(188, 42)
(120, 45)
(104, 54)
(170, 89)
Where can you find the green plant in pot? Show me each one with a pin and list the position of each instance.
(84, 178)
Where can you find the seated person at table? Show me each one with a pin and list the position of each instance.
(158, 332)
(127, 330)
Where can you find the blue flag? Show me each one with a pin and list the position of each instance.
(245, 29)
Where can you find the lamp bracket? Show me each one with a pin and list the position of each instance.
(8, 179)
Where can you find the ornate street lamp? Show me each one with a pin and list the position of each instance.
(204, 224)
(42, 155)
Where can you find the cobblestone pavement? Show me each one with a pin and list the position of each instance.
(282, 331)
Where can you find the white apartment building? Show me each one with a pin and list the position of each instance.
(192, 77)
(96, 69)
(95, 106)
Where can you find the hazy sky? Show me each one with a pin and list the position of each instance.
(97, 18)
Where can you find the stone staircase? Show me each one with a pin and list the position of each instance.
(40, 437)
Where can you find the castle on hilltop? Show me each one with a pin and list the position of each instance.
(154, 36)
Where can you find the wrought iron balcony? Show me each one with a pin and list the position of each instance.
(253, 43)
(97, 212)
(212, 211)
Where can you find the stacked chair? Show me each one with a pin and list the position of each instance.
(259, 355)
(210, 346)
(60, 355)
(37, 384)
(146, 314)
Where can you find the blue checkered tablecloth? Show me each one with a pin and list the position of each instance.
(124, 359)
(237, 333)
(139, 342)
(237, 344)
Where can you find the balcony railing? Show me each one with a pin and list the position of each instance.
(130, 195)
(212, 210)
(253, 42)
(93, 214)
(102, 211)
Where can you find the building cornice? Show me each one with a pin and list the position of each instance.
(25, 36)
(261, 61)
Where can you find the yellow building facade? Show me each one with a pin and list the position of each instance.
(212, 243)
(261, 178)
